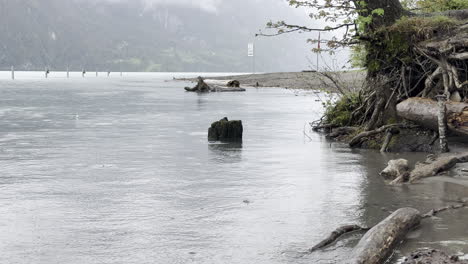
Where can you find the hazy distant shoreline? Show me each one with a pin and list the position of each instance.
(289, 80)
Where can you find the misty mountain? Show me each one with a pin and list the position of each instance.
(146, 35)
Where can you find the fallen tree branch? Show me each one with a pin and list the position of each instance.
(434, 212)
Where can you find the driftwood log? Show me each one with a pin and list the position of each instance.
(440, 164)
(378, 243)
(201, 87)
(425, 113)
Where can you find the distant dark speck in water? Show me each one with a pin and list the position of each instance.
(192, 253)
(246, 201)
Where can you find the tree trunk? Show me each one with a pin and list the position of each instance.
(442, 119)
(425, 112)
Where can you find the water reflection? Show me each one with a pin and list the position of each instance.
(230, 152)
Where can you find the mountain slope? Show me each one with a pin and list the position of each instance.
(35, 34)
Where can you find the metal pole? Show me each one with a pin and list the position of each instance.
(12, 72)
(318, 52)
(253, 58)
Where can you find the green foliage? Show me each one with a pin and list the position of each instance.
(393, 45)
(340, 112)
(358, 56)
(421, 28)
(442, 5)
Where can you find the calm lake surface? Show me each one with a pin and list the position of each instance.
(119, 170)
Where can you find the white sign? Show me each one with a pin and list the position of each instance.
(250, 50)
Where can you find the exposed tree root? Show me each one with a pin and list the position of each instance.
(357, 140)
(337, 234)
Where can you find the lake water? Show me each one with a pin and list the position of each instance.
(119, 170)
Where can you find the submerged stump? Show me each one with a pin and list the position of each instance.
(225, 130)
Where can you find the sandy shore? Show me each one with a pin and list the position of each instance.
(293, 80)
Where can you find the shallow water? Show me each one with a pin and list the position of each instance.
(119, 170)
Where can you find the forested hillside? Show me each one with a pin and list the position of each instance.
(97, 35)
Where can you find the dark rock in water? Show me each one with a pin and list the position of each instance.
(201, 87)
(234, 83)
(225, 130)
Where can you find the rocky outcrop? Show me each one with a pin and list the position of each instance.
(225, 130)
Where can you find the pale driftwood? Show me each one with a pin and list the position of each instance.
(378, 243)
(439, 165)
(336, 234)
(217, 88)
(395, 169)
(425, 113)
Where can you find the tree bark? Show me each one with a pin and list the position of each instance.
(442, 123)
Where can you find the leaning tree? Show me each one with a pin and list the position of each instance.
(407, 53)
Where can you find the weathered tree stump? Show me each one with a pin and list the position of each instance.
(233, 84)
(395, 169)
(201, 87)
(379, 242)
(225, 130)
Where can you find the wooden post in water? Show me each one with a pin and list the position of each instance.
(12, 72)
(68, 72)
(83, 72)
(442, 117)
(96, 73)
